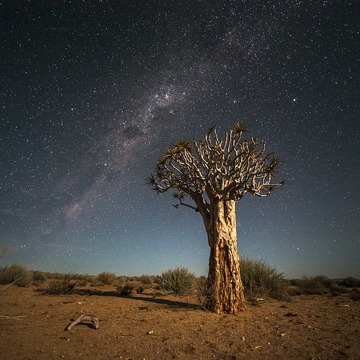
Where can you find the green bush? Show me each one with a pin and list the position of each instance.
(260, 279)
(106, 278)
(15, 273)
(178, 281)
(66, 285)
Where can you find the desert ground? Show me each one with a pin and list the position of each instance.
(150, 326)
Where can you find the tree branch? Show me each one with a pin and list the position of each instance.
(226, 168)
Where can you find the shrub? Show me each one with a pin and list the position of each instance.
(350, 282)
(140, 289)
(317, 285)
(260, 279)
(66, 285)
(106, 278)
(81, 283)
(119, 281)
(179, 281)
(337, 289)
(39, 276)
(146, 279)
(15, 273)
(126, 289)
(294, 290)
(84, 279)
(131, 287)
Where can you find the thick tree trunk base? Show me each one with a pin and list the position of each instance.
(224, 290)
(225, 293)
(234, 304)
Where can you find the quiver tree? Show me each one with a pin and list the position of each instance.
(215, 174)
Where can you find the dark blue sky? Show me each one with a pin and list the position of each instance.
(92, 92)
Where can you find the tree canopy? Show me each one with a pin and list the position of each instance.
(220, 169)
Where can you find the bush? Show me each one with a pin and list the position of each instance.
(146, 279)
(179, 281)
(317, 285)
(350, 282)
(81, 283)
(39, 276)
(293, 290)
(260, 279)
(84, 279)
(127, 289)
(15, 273)
(106, 278)
(66, 285)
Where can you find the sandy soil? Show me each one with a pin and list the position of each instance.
(167, 327)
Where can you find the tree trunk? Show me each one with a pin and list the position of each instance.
(224, 289)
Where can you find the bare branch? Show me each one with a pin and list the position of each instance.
(216, 168)
(84, 319)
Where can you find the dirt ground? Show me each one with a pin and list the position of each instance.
(167, 327)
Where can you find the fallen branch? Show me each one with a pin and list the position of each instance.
(3, 288)
(84, 319)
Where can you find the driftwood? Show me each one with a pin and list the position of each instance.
(84, 319)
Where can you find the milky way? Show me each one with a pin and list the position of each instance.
(93, 92)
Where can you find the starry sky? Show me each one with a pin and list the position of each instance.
(92, 92)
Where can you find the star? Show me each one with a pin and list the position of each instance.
(92, 96)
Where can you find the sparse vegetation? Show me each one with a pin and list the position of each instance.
(146, 279)
(66, 285)
(317, 285)
(106, 278)
(178, 281)
(350, 282)
(16, 274)
(39, 276)
(126, 289)
(260, 279)
(84, 279)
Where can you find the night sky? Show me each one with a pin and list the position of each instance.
(92, 92)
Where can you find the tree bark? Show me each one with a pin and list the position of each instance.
(224, 289)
